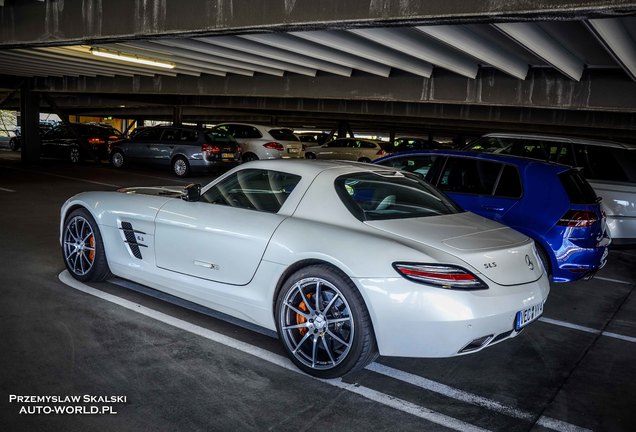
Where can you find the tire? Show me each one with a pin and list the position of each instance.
(83, 248)
(310, 155)
(545, 260)
(181, 167)
(329, 338)
(14, 145)
(365, 160)
(117, 159)
(249, 157)
(74, 154)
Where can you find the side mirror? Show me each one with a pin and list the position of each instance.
(192, 192)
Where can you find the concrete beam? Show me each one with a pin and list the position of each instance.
(53, 22)
(598, 90)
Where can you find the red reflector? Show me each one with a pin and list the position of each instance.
(96, 141)
(210, 148)
(445, 276)
(380, 153)
(274, 146)
(578, 218)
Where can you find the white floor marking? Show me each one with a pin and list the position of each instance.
(588, 329)
(6, 190)
(66, 177)
(613, 280)
(276, 359)
(471, 398)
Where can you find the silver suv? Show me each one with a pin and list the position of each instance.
(610, 168)
(263, 142)
(182, 149)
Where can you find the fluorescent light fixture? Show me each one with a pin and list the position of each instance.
(116, 55)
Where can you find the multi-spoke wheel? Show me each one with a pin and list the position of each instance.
(117, 159)
(82, 247)
(74, 154)
(181, 167)
(323, 323)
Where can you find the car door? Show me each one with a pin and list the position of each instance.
(472, 183)
(331, 150)
(223, 236)
(139, 149)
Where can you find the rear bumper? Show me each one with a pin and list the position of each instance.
(415, 320)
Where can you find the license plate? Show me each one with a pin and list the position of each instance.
(227, 155)
(292, 150)
(526, 316)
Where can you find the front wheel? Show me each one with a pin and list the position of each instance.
(14, 144)
(83, 247)
(74, 154)
(117, 159)
(323, 323)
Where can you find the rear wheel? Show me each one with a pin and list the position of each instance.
(83, 248)
(181, 167)
(117, 159)
(13, 144)
(323, 323)
(248, 157)
(310, 155)
(74, 154)
(364, 159)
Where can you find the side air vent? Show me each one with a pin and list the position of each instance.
(131, 239)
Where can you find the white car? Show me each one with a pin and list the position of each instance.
(352, 149)
(264, 142)
(609, 167)
(344, 260)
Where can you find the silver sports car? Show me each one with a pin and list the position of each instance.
(344, 260)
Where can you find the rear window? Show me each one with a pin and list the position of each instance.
(391, 195)
(578, 189)
(219, 137)
(283, 134)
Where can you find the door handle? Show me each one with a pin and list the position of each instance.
(491, 208)
(206, 264)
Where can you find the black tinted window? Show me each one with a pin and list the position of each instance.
(153, 134)
(244, 131)
(253, 189)
(170, 134)
(338, 143)
(219, 137)
(283, 134)
(509, 185)
(605, 163)
(189, 135)
(578, 189)
(469, 176)
(391, 195)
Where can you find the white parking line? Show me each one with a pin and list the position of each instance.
(284, 362)
(471, 398)
(64, 177)
(588, 329)
(6, 190)
(613, 280)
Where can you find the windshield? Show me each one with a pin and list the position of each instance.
(283, 134)
(391, 195)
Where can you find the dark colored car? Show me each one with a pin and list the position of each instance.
(15, 143)
(551, 203)
(87, 141)
(182, 149)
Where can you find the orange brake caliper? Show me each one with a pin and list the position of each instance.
(301, 319)
(91, 253)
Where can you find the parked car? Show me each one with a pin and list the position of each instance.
(610, 167)
(402, 144)
(79, 141)
(15, 142)
(353, 149)
(551, 203)
(263, 142)
(344, 261)
(182, 149)
(310, 139)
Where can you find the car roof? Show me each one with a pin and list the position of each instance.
(588, 141)
(258, 126)
(519, 161)
(313, 167)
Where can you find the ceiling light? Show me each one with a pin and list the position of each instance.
(116, 55)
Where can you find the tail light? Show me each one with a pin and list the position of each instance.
(578, 218)
(210, 148)
(113, 138)
(441, 275)
(380, 152)
(274, 146)
(96, 141)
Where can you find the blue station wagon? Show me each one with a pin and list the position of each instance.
(551, 203)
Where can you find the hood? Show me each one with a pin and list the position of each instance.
(164, 191)
(500, 253)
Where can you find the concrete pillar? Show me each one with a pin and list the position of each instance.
(177, 115)
(30, 123)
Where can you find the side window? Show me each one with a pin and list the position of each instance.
(149, 135)
(471, 176)
(188, 135)
(253, 189)
(170, 135)
(565, 155)
(415, 164)
(509, 185)
(366, 144)
(225, 128)
(243, 131)
(600, 163)
(489, 145)
(337, 144)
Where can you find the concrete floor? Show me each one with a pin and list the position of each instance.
(189, 371)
